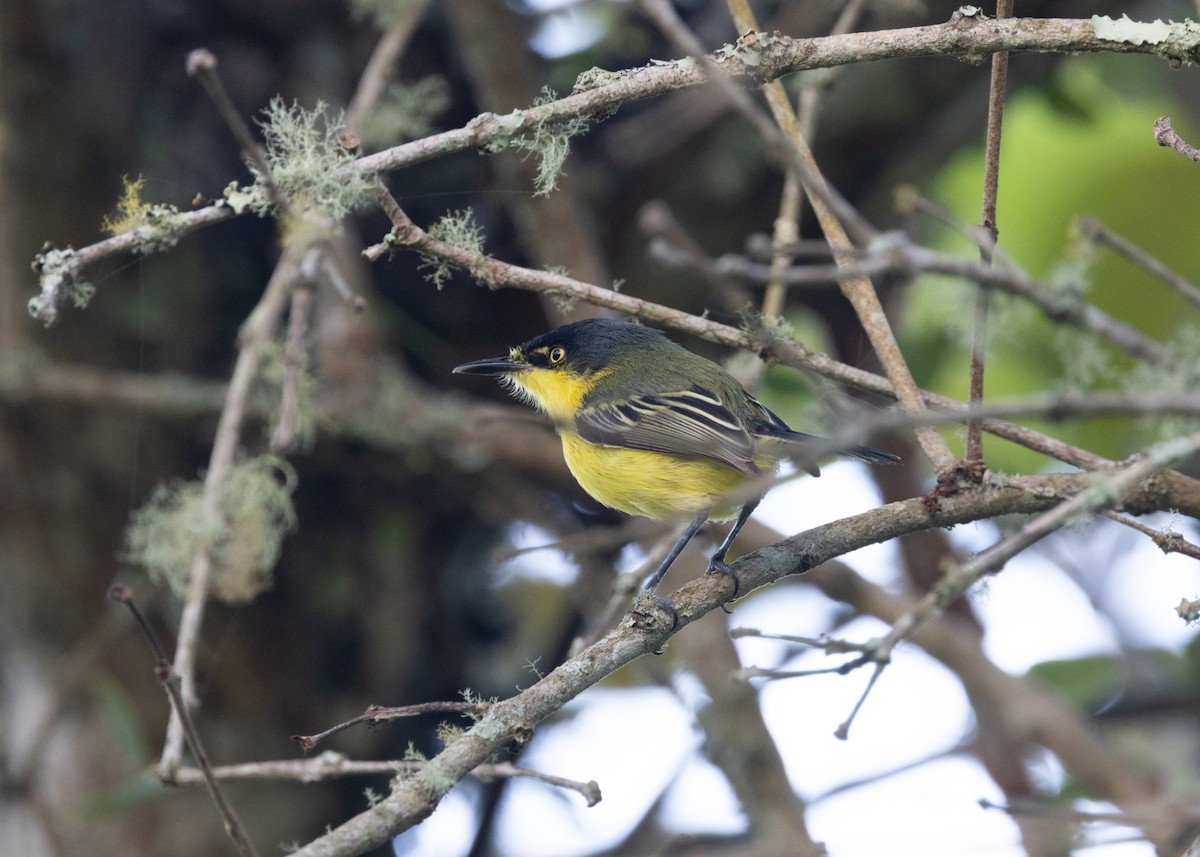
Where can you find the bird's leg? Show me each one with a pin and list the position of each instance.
(653, 580)
(717, 564)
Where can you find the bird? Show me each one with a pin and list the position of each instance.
(652, 429)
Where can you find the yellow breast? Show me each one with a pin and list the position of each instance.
(653, 484)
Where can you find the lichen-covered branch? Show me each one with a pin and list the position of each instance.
(754, 59)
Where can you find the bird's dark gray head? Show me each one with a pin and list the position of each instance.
(582, 347)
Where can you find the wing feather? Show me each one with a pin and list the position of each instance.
(692, 423)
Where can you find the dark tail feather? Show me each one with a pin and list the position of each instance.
(871, 456)
(803, 441)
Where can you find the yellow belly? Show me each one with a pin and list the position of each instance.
(653, 484)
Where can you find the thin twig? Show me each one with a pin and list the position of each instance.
(1165, 135)
(908, 200)
(973, 457)
(1167, 541)
(590, 790)
(1046, 717)
(1101, 234)
(897, 254)
(170, 682)
(829, 645)
(377, 714)
(842, 732)
(324, 766)
(668, 238)
(1050, 808)
(747, 673)
(295, 365)
(255, 335)
(330, 765)
(202, 65)
(787, 221)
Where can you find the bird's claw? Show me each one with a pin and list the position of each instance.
(719, 566)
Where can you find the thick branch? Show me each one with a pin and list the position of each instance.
(513, 719)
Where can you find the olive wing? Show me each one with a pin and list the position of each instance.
(692, 423)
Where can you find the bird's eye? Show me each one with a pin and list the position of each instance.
(556, 355)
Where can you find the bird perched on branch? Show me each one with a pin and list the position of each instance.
(651, 429)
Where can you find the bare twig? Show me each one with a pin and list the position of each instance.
(842, 732)
(1057, 809)
(787, 222)
(324, 766)
(1108, 491)
(897, 254)
(377, 714)
(590, 790)
(670, 241)
(1167, 541)
(1100, 233)
(1165, 136)
(170, 682)
(973, 457)
(1045, 717)
(295, 365)
(331, 765)
(202, 65)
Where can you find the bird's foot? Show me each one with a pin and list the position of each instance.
(719, 566)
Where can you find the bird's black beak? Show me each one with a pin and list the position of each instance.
(491, 366)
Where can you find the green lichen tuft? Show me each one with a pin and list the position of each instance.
(158, 225)
(167, 534)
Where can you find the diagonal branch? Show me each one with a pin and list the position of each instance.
(511, 720)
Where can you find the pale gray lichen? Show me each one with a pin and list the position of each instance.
(459, 229)
(549, 141)
(1179, 41)
(56, 272)
(307, 162)
(1124, 29)
(242, 198)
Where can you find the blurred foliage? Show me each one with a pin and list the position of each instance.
(1080, 145)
